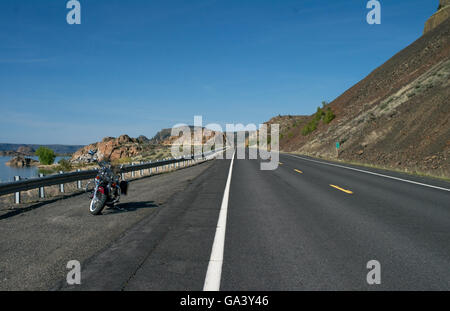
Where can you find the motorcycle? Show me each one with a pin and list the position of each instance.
(108, 186)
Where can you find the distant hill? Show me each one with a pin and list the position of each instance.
(163, 135)
(30, 148)
(397, 117)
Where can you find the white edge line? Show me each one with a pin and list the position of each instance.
(372, 173)
(214, 272)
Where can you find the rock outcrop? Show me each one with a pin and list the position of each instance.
(113, 149)
(110, 149)
(21, 161)
(164, 137)
(439, 17)
(143, 139)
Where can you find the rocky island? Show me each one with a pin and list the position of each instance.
(21, 161)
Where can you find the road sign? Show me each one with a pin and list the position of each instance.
(337, 145)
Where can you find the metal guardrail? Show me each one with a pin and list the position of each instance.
(61, 179)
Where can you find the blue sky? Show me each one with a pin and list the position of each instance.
(137, 66)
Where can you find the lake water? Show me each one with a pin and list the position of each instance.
(7, 173)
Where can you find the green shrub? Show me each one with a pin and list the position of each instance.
(290, 135)
(310, 127)
(306, 130)
(320, 114)
(65, 165)
(329, 116)
(46, 156)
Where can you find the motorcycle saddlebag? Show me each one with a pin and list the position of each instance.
(123, 187)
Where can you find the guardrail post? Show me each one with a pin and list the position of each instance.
(17, 194)
(132, 172)
(79, 181)
(41, 189)
(61, 186)
(141, 173)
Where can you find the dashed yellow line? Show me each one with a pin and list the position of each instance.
(298, 171)
(343, 190)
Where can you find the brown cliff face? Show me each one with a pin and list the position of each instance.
(111, 149)
(124, 147)
(397, 117)
(439, 17)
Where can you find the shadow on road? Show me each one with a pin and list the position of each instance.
(130, 207)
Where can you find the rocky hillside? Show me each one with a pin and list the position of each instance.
(127, 148)
(398, 116)
(113, 149)
(164, 137)
(440, 16)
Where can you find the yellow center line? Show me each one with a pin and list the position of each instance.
(298, 171)
(343, 190)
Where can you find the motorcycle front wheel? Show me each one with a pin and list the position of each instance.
(97, 204)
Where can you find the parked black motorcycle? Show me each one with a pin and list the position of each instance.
(108, 187)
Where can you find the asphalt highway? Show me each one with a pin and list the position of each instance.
(308, 225)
